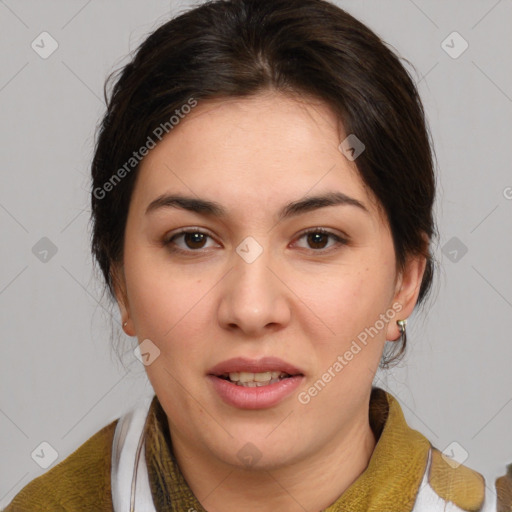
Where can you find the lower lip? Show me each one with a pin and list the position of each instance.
(258, 397)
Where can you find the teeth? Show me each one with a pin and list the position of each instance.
(262, 377)
(246, 377)
(252, 380)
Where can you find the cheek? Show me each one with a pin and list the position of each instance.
(168, 308)
(347, 300)
(153, 298)
(351, 306)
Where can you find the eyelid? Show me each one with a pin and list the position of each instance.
(327, 231)
(341, 239)
(168, 237)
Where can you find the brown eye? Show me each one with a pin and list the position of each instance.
(192, 241)
(317, 240)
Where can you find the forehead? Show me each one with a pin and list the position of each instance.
(256, 150)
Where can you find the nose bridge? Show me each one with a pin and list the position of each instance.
(253, 298)
(251, 266)
(252, 278)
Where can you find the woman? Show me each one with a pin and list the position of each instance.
(262, 200)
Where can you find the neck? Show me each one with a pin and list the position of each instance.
(312, 484)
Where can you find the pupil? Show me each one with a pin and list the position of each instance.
(316, 237)
(194, 238)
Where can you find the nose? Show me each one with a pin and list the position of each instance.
(254, 296)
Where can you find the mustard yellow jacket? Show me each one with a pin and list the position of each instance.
(406, 473)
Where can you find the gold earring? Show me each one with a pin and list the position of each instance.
(401, 327)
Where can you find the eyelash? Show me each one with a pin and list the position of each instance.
(168, 242)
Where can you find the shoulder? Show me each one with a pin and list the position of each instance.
(79, 482)
(456, 483)
(504, 490)
(453, 487)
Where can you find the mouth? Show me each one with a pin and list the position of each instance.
(252, 373)
(255, 384)
(253, 380)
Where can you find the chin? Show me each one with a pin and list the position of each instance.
(252, 457)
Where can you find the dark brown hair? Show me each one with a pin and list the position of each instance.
(237, 48)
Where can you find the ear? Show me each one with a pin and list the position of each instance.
(407, 289)
(119, 286)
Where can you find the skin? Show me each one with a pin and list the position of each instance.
(303, 300)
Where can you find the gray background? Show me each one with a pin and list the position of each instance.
(60, 380)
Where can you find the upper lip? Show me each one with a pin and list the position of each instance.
(265, 364)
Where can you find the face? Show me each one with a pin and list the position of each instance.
(245, 274)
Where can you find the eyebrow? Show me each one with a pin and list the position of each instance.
(214, 209)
